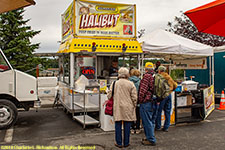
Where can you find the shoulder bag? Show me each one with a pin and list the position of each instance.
(109, 105)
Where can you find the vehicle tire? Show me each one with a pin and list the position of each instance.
(8, 113)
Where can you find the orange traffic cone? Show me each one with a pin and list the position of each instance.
(222, 102)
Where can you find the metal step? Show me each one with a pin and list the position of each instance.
(87, 106)
(87, 120)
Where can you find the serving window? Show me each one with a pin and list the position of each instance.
(85, 65)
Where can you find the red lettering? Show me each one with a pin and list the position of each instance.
(92, 72)
(88, 71)
(104, 20)
(98, 21)
(84, 21)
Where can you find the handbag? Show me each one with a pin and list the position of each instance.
(109, 105)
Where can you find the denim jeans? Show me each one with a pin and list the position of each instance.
(148, 112)
(126, 131)
(166, 106)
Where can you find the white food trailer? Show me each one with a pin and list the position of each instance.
(94, 34)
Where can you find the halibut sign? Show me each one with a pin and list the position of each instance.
(99, 19)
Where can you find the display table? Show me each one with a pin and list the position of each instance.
(194, 105)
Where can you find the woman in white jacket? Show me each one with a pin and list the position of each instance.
(124, 105)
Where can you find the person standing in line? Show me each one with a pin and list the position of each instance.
(148, 106)
(124, 104)
(165, 104)
(134, 77)
(158, 63)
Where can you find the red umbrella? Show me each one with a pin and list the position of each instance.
(209, 18)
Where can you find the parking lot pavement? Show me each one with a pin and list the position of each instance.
(53, 127)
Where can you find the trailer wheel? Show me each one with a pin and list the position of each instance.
(8, 113)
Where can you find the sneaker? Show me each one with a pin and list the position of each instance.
(138, 131)
(148, 143)
(132, 131)
(165, 130)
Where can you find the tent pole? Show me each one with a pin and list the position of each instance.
(71, 70)
(96, 67)
(213, 73)
(142, 64)
(210, 70)
(139, 62)
(170, 66)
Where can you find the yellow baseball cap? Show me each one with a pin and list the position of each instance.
(149, 65)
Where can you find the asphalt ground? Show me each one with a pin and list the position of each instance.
(53, 128)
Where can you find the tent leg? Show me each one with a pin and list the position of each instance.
(139, 62)
(210, 70)
(142, 65)
(213, 73)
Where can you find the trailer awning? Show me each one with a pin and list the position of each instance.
(102, 46)
(7, 5)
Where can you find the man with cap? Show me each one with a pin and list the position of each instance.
(165, 104)
(148, 107)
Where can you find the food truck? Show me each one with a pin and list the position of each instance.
(17, 90)
(97, 39)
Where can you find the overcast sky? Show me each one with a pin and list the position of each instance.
(151, 15)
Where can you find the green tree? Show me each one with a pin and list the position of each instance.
(183, 26)
(15, 38)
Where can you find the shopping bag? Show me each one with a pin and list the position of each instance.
(109, 104)
(109, 107)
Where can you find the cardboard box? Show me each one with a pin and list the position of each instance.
(189, 99)
(184, 100)
(184, 110)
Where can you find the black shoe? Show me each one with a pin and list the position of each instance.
(165, 130)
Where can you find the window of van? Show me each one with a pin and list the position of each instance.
(3, 64)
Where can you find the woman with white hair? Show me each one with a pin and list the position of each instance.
(124, 104)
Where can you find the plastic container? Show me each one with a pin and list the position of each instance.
(189, 85)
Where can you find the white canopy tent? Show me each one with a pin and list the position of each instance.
(164, 44)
